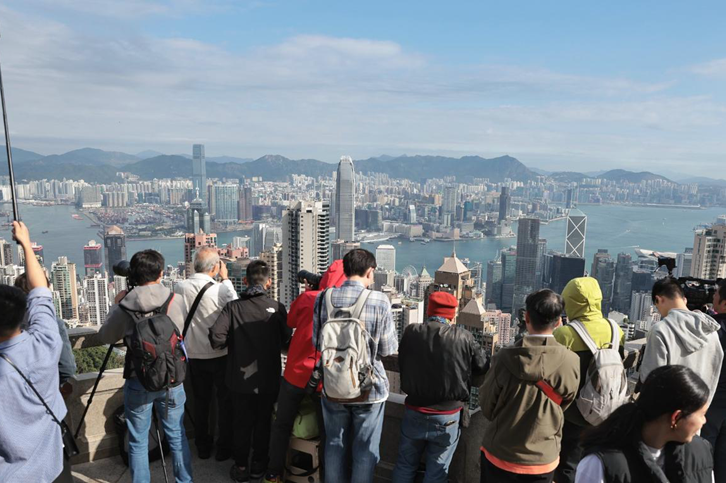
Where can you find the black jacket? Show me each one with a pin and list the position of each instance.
(254, 329)
(684, 463)
(437, 362)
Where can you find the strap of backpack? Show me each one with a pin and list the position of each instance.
(580, 329)
(194, 307)
(355, 310)
(549, 391)
(616, 333)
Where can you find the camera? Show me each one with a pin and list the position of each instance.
(314, 381)
(312, 279)
(698, 292)
(122, 268)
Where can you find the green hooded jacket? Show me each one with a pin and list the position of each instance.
(583, 302)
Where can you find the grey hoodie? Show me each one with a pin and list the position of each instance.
(688, 339)
(144, 299)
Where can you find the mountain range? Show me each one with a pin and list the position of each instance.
(95, 165)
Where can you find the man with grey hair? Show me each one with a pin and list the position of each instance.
(206, 365)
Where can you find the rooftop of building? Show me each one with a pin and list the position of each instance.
(453, 265)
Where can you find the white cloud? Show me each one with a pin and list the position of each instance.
(715, 68)
(319, 96)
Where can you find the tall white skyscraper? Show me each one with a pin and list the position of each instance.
(709, 251)
(199, 171)
(386, 258)
(576, 231)
(96, 289)
(63, 277)
(6, 253)
(226, 199)
(345, 200)
(306, 244)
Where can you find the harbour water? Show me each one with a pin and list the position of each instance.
(617, 228)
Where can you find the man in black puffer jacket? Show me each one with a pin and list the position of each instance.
(437, 361)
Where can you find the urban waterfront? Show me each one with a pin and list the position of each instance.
(617, 228)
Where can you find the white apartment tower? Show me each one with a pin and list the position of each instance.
(345, 200)
(63, 277)
(96, 289)
(306, 244)
(709, 251)
(386, 258)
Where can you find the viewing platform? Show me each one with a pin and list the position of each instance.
(99, 459)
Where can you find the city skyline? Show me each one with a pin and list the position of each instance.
(642, 99)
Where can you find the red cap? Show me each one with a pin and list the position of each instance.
(442, 304)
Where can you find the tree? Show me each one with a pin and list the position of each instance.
(91, 359)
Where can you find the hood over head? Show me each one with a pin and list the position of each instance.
(334, 276)
(583, 299)
(146, 298)
(536, 358)
(691, 329)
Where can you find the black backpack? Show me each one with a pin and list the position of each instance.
(156, 349)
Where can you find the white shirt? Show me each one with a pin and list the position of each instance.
(211, 305)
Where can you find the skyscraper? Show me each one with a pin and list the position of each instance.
(63, 277)
(340, 248)
(198, 216)
(605, 276)
(576, 231)
(6, 253)
(509, 272)
(306, 245)
(504, 204)
(622, 286)
(115, 243)
(92, 258)
(527, 248)
(411, 214)
(273, 257)
(245, 203)
(450, 199)
(494, 282)
(386, 257)
(96, 289)
(345, 200)
(192, 243)
(199, 170)
(571, 197)
(226, 198)
(563, 269)
(37, 250)
(683, 263)
(709, 251)
(601, 253)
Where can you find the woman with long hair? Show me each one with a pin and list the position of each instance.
(655, 438)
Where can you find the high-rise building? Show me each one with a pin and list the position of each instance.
(192, 243)
(115, 243)
(63, 277)
(37, 250)
(576, 231)
(623, 283)
(198, 216)
(504, 204)
(641, 306)
(564, 268)
(6, 253)
(539, 274)
(386, 257)
(96, 289)
(245, 203)
(345, 200)
(571, 197)
(226, 198)
(306, 245)
(422, 283)
(450, 200)
(92, 258)
(709, 251)
(494, 282)
(199, 171)
(340, 248)
(273, 257)
(525, 278)
(605, 276)
(259, 233)
(412, 214)
(509, 273)
(601, 253)
(683, 263)
(453, 277)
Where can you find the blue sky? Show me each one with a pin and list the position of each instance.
(559, 85)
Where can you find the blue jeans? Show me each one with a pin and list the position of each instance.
(138, 403)
(437, 435)
(354, 429)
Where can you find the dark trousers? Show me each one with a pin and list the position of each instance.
(206, 375)
(252, 426)
(715, 432)
(288, 403)
(570, 453)
(492, 474)
(65, 476)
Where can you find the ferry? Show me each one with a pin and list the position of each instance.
(77, 217)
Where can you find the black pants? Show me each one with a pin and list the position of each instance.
(570, 453)
(252, 426)
(715, 432)
(206, 375)
(288, 403)
(65, 476)
(492, 474)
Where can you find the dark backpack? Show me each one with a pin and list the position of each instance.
(156, 349)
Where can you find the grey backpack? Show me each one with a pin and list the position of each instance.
(606, 385)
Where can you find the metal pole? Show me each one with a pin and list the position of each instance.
(16, 215)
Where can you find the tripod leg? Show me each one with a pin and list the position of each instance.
(93, 391)
(158, 439)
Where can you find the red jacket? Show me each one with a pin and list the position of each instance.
(302, 356)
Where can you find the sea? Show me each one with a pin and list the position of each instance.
(617, 228)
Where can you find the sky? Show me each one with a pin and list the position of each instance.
(578, 86)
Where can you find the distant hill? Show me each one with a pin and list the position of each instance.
(630, 176)
(44, 169)
(19, 155)
(149, 153)
(92, 156)
(229, 159)
(705, 181)
(164, 166)
(568, 176)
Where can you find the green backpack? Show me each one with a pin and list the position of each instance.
(306, 421)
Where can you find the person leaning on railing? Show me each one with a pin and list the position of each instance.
(31, 446)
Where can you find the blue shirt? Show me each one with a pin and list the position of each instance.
(379, 324)
(31, 448)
